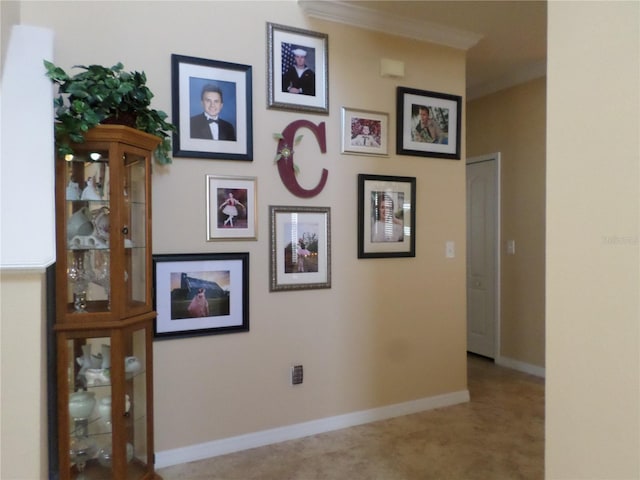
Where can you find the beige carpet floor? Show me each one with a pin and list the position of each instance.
(498, 435)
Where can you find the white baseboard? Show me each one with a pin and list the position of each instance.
(215, 448)
(521, 366)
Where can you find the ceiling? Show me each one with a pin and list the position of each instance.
(506, 41)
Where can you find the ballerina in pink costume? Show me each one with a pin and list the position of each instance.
(229, 208)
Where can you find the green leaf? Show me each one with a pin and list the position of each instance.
(278, 157)
(298, 139)
(278, 136)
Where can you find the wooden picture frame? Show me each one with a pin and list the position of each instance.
(212, 109)
(232, 212)
(200, 294)
(306, 90)
(386, 216)
(365, 132)
(300, 248)
(428, 123)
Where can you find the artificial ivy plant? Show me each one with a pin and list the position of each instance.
(100, 95)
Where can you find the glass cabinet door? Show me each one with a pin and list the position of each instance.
(108, 413)
(135, 230)
(136, 388)
(87, 215)
(89, 397)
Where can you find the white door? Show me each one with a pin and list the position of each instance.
(483, 239)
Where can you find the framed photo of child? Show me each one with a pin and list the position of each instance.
(364, 132)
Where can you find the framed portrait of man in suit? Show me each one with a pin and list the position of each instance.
(212, 109)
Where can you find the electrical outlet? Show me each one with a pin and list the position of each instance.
(296, 375)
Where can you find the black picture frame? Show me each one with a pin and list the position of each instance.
(307, 264)
(192, 80)
(181, 283)
(386, 216)
(282, 42)
(441, 138)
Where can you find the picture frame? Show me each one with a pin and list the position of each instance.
(200, 294)
(232, 212)
(225, 89)
(307, 263)
(307, 91)
(386, 216)
(365, 132)
(428, 123)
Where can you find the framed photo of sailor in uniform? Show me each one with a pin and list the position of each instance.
(200, 294)
(298, 69)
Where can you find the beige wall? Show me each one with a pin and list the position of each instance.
(593, 284)
(513, 122)
(23, 376)
(382, 334)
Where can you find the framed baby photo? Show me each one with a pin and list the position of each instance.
(201, 294)
(298, 69)
(428, 123)
(364, 132)
(386, 216)
(231, 208)
(212, 109)
(300, 248)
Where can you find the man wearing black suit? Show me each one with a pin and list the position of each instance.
(208, 124)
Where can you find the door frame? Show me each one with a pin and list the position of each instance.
(497, 247)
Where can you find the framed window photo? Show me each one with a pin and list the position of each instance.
(212, 109)
(201, 294)
(386, 216)
(300, 248)
(298, 69)
(231, 208)
(428, 123)
(364, 132)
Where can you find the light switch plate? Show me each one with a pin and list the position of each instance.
(450, 249)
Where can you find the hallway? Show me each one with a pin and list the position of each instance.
(498, 435)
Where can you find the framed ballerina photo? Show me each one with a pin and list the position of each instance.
(231, 208)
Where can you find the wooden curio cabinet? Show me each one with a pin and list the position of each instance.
(104, 310)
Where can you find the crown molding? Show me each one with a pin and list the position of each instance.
(525, 74)
(350, 14)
